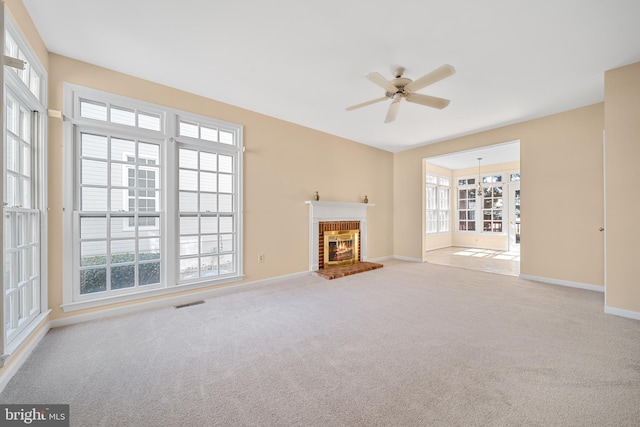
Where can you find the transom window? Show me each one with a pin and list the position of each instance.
(105, 112)
(132, 236)
(204, 132)
(29, 76)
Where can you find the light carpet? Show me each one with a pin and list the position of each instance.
(406, 345)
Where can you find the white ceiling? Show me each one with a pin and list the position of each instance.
(304, 62)
(491, 155)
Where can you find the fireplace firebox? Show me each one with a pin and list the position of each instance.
(341, 247)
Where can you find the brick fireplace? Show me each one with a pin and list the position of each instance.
(337, 216)
(325, 228)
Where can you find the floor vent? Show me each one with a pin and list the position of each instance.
(189, 304)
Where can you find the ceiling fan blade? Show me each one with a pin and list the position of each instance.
(434, 76)
(364, 104)
(381, 81)
(429, 101)
(393, 109)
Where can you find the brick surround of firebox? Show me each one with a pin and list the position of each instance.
(335, 226)
(351, 216)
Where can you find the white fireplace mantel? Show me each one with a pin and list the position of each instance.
(335, 211)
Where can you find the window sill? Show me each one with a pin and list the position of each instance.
(101, 302)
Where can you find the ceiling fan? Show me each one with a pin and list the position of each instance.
(402, 87)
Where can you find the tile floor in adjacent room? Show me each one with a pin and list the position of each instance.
(488, 260)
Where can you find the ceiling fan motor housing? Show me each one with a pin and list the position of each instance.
(400, 83)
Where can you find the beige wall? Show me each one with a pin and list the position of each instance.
(284, 165)
(622, 124)
(562, 193)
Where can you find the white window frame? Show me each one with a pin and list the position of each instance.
(489, 182)
(439, 213)
(108, 215)
(486, 181)
(170, 142)
(13, 81)
(221, 149)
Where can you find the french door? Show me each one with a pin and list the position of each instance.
(514, 217)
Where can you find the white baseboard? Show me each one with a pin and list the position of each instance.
(563, 283)
(622, 312)
(404, 258)
(166, 302)
(437, 248)
(481, 247)
(380, 259)
(18, 360)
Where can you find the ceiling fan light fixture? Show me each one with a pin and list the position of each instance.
(402, 87)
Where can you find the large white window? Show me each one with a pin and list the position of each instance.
(118, 221)
(492, 203)
(467, 195)
(207, 203)
(155, 196)
(437, 204)
(24, 192)
(481, 206)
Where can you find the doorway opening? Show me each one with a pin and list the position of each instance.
(482, 208)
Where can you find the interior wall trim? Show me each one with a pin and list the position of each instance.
(622, 312)
(563, 283)
(405, 258)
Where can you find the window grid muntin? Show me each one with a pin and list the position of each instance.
(437, 200)
(104, 264)
(23, 249)
(19, 154)
(107, 267)
(22, 267)
(204, 131)
(170, 117)
(467, 201)
(29, 76)
(143, 119)
(492, 206)
(443, 209)
(195, 260)
(488, 212)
